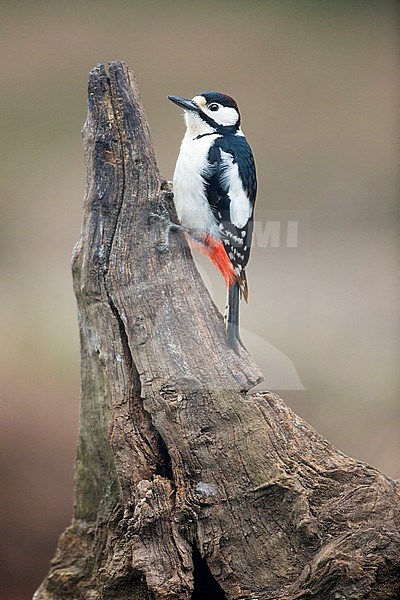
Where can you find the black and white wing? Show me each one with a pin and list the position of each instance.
(231, 187)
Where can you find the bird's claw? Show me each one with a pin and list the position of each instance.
(159, 217)
(163, 249)
(169, 225)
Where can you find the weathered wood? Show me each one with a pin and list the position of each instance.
(185, 484)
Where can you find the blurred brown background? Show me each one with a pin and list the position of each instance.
(317, 86)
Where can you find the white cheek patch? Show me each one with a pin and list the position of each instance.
(240, 208)
(226, 115)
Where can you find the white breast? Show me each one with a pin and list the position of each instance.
(190, 199)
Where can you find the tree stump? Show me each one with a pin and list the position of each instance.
(187, 486)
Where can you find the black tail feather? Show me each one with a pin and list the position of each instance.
(232, 316)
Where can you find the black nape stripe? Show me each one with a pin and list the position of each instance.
(222, 129)
(204, 134)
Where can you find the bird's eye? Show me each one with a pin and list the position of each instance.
(214, 107)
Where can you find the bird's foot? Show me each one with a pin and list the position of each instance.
(168, 226)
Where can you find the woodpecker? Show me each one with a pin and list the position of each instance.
(215, 188)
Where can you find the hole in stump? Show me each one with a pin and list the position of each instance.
(165, 468)
(205, 586)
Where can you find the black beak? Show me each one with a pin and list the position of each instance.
(184, 103)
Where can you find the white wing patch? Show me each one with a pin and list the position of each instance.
(240, 208)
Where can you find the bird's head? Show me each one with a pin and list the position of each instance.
(209, 112)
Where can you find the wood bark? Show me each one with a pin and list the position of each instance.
(186, 485)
